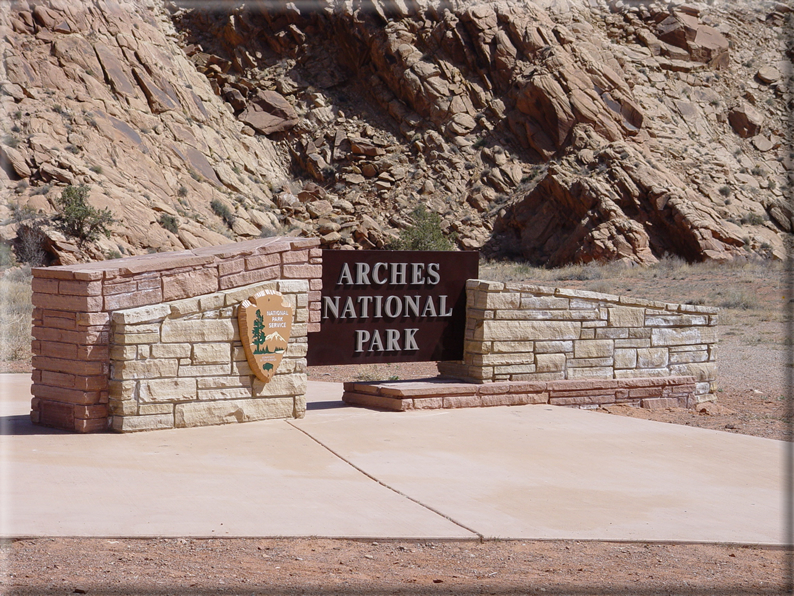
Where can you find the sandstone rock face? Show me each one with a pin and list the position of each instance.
(511, 121)
(269, 113)
(745, 121)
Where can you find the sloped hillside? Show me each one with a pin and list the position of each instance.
(551, 131)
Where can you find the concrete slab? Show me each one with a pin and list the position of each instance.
(550, 472)
(509, 472)
(256, 479)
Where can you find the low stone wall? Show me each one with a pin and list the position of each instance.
(182, 363)
(428, 394)
(73, 308)
(522, 332)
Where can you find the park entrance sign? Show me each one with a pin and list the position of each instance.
(392, 306)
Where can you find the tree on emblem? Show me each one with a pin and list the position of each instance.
(258, 332)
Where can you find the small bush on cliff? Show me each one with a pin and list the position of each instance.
(78, 219)
(424, 234)
(222, 211)
(169, 222)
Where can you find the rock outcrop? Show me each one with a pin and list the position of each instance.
(547, 131)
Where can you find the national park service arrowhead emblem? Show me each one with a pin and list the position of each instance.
(265, 322)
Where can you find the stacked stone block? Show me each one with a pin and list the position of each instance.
(182, 363)
(73, 307)
(522, 332)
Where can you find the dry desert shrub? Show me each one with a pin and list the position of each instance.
(16, 312)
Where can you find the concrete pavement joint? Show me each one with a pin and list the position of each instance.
(383, 484)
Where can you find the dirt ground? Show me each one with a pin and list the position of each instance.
(751, 400)
(324, 567)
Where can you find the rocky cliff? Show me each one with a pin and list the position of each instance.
(553, 131)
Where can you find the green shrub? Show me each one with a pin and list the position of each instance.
(182, 192)
(222, 211)
(424, 234)
(78, 219)
(169, 222)
(7, 258)
(725, 191)
(754, 219)
(96, 169)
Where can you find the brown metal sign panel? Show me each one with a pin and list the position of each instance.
(392, 306)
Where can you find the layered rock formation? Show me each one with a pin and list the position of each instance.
(548, 131)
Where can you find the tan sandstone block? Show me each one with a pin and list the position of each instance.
(501, 359)
(553, 347)
(144, 369)
(167, 390)
(635, 373)
(144, 314)
(171, 350)
(131, 339)
(595, 348)
(546, 363)
(652, 357)
(294, 384)
(293, 286)
(121, 390)
(626, 316)
(683, 336)
(702, 371)
(183, 308)
(625, 358)
(137, 423)
(543, 303)
(597, 372)
(503, 347)
(224, 382)
(123, 352)
(689, 356)
(214, 301)
(513, 369)
(224, 412)
(198, 330)
(147, 409)
(127, 407)
(493, 300)
(227, 393)
(204, 370)
(527, 330)
(212, 353)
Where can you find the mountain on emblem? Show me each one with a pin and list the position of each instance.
(265, 322)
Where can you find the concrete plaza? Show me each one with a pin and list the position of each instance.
(526, 472)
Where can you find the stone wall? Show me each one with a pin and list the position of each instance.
(522, 332)
(182, 363)
(73, 308)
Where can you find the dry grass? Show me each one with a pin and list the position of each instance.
(750, 293)
(15, 315)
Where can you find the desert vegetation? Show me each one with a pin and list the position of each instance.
(15, 312)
